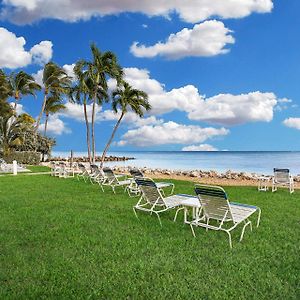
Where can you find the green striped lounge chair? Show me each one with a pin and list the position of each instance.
(283, 178)
(152, 200)
(133, 189)
(112, 180)
(217, 213)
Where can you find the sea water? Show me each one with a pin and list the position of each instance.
(261, 162)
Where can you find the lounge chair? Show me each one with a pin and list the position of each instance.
(55, 169)
(133, 189)
(84, 173)
(65, 171)
(112, 180)
(153, 201)
(225, 215)
(282, 177)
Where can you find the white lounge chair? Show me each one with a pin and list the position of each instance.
(153, 201)
(133, 189)
(84, 173)
(112, 180)
(225, 215)
(282, 177)
(66, 171)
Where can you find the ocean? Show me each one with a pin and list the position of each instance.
(260, 162)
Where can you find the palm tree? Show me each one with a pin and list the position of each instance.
(4, 86)
(83, 87)
(22, 84)
(126, 98)
(53, 105)
(56, 82)
(103, 65)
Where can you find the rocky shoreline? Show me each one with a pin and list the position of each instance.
(207, 177)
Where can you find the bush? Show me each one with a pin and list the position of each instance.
(24, 157)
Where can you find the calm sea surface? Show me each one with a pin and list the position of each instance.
(258, 162)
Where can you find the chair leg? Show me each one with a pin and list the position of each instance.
(229, 235)
(177, 211)
(243, 231)
(158, 218)
(193, 232)
(135, 212)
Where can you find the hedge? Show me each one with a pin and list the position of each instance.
(24, 157)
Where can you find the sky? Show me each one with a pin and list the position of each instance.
(220, 75)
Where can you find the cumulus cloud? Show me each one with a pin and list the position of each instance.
(228, 109)
(224, 109)
(42, 52)
(206, 39)
(75, 111)
(28, 11)
(201, 147)
(13, 54)
(38, 77)
(55, 126)
(292, 123)
(69, 69)
(169, 133)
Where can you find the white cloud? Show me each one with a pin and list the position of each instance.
(20, 108)
(292, 123)
(13, 54)
(193, 11)
(206, 39)
(201, 147)
(169, 133)
(227, 109)
(38, 77)
(42, 52)
(55, 126)
(224, 109)
(69, 69)
(75, 111)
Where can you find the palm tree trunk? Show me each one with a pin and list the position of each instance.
(41, 113)
(110, 140)
(46, 124)
(15, 107)
(88, 142)
(93, 131)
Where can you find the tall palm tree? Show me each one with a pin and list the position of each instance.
(56, 82)
(102, 66)
(22, 84)
(126, 99)
(53, 105)
(81, 93)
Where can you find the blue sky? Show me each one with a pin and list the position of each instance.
(223, 80)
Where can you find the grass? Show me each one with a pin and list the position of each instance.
(38, 169)
(65, 239)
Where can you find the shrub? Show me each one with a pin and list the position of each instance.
(24, 157)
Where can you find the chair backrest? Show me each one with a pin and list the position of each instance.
(136, 173)
(281, 175)
(94, 169)
(109, 174)
(214, 202)
(150, 192)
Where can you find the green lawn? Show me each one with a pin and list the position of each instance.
(62, 239)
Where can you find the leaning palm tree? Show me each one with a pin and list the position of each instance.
(56, 82)
(53, 105)
(22, 84)
(126, 99)
(102, 66)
